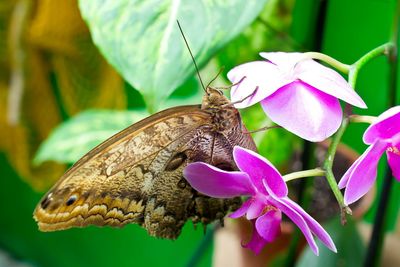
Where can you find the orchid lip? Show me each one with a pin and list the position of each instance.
(268, 197)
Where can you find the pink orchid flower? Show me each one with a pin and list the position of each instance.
(268, 192)
(298, 94)
(382, 135)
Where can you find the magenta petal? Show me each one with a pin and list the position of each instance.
(256, 242)
(363, 174)
(255, 209)
(298, 220)
(304, 110)
(242, 210)
(269, 225)
(259, 168)
(327, 81)
(385, 126)
(214, 182)
(259, 77)
(315, 227)
(345, 179)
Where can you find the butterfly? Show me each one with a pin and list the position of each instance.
(136, 175)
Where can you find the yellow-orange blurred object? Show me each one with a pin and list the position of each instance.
(50, 69)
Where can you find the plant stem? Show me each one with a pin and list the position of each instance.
(329, 60)
(355, 68)
(303, 174)
(351, 70)
(330, 156)
(353, 74)
(362, 119)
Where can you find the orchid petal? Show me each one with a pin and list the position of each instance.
(304, 110)
(255, 209)
(384, 127)
(257, 80)
(316, 75)
(285, 62)
(242, 210)
(269, 225)
(363, 174)
(345, 179)
(394, 163)
(256, 243)
(298, 220)
(315, 227)
(259, 168)
(214, 182)
(328, 81)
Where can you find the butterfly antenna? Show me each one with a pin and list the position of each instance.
(216, 76)
(194, 61)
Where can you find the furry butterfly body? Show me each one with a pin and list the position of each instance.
(136, 175)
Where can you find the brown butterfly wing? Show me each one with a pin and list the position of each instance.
(112, 184)
(136, 176)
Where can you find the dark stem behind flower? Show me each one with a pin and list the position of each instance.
(375, 245)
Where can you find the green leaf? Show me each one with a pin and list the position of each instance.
(75, 137)
(142, 41)
(269, 32)
(350, 248)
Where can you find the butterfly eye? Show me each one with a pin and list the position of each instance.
(182, 183)
(71, 200)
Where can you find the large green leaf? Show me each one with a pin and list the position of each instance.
(141, 39)
(75, 137)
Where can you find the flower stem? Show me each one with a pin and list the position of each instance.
(355, 68)
(328, 169)
(353, 74)
(362, 119)
(329, 60)
(303, 174)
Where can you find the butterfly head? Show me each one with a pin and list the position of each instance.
(214, 98)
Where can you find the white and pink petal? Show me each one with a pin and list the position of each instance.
(304, 111)
(296, 66)
(328, 81)
(255, 81)
(284, 61)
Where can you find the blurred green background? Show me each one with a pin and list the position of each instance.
(50, 71)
